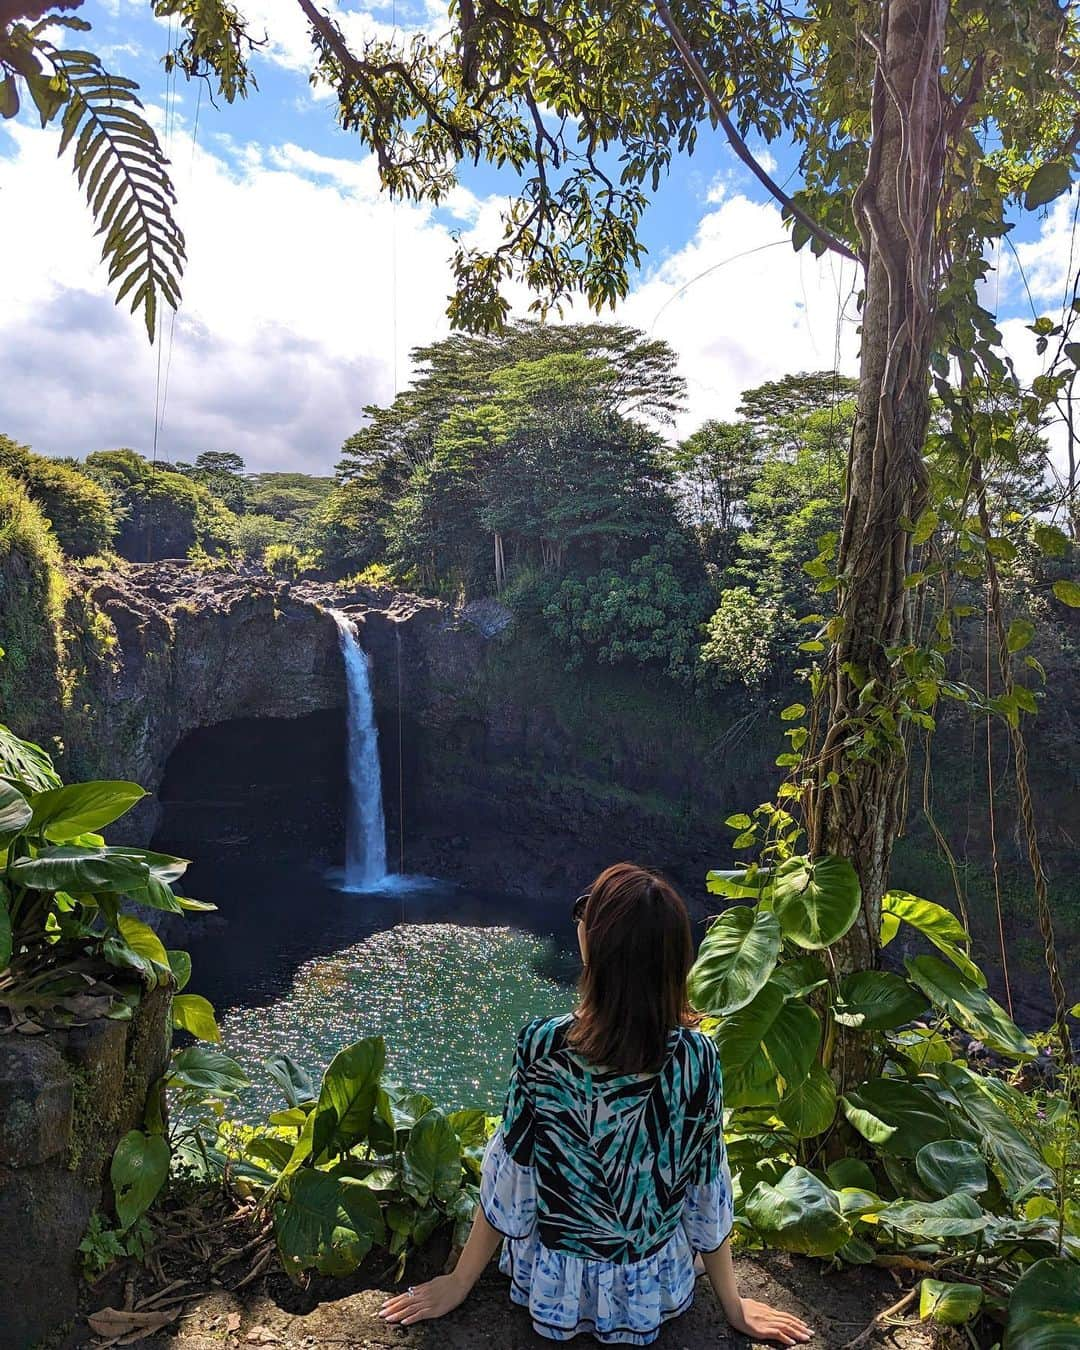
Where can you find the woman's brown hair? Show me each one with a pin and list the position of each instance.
(638, 953)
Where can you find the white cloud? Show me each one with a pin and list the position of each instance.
(741, 307)
(289, 319)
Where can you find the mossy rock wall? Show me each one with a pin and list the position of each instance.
(66, 1098)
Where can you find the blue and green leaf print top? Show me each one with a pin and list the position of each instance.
(613, 1153)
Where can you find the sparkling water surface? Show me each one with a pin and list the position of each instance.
(445, 974)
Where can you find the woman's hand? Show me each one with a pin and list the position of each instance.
(422, 1302)
(769, 1324)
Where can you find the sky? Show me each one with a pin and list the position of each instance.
(306, 287)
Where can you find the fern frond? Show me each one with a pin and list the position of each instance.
(122, 170)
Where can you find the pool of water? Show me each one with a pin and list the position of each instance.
(446, 975)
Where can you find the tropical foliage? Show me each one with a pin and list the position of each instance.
(887, 1141)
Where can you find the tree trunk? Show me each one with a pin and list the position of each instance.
(859, 815)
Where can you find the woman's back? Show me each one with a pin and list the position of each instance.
(613, 1152)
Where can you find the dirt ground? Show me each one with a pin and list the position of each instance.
(838, 1305)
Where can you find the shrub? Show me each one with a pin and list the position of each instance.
(286, 560)
(165, 514)
(255, 534)
(376, 576)
(79, 510)
(33, 591)
(646, 613)
(744, 637)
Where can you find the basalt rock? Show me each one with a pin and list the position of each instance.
(66, 1099)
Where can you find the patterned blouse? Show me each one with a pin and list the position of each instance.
(605, 1184)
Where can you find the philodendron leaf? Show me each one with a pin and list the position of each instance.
(15, 813)
(935, 923)
(739, 1037)
(349, 1088)
(952, 1167)
(954, 1216)
(327, 1222)
(951, 1304)
(896, 1116)
(77, 870)
(208, 1071)
(809, 1108)
(432, 1161)
(139, 1168)
(798, 1214)
(195, 1014)
(64, 813)
(1044, 1310)
(877, 1000)
(736, 958)
(24, 764)
(295, 1082)
(985, 1102)
(816, 902)
(969, 1006)
(1048, 181)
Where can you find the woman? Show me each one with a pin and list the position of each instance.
(609, 1170)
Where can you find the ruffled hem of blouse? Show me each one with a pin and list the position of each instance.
(507, 1191)
(707, 1216)
(616, 1304)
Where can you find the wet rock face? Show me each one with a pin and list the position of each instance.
(500, 769)
(66, 1098)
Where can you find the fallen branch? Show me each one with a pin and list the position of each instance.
(893, 1310)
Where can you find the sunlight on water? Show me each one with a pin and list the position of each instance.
(448, 1000)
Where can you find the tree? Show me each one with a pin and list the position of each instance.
(78, 510)
(713, 471)
(222, 472)
(290, 497)
(163, 514)
(459, 371)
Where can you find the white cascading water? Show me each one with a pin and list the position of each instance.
(365, 831)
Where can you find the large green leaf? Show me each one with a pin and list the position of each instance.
(180, 965)
(896, 1116)
(1014, 1159)
(969, 1006)
(1048, 181)
(741, 884)
(194, 1014)
(347, 1096)
(739, 1036)
(294, 1081)
(952, 1167)
(752, 1083)
(327, 1222)
(877, 1000)
(809, 1108)
(139, 1168)
(432, 1160)
(77, 870)
(793, 1040)
(816, 902)
(208, 1071)
(1044, 1310)
(165, 867)
(735, 960)
(15, 813)
(937, 924)
(951, 1304)
(25, 764)
(798, 1214)
(951, 1217)
(142, 940)
(64, 813)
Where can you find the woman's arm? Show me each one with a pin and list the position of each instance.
(746, 1314)
(443, 1294)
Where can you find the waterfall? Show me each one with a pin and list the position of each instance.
(365, 831)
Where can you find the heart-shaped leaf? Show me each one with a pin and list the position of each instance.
(951, 1167)
(816, 902)
(969, 1006)
(798, 1214)
(736, 958)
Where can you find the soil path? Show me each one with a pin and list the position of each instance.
(838, 1305)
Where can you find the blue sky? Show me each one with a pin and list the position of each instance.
(306, 288)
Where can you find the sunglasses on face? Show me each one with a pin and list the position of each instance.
(578, 911)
